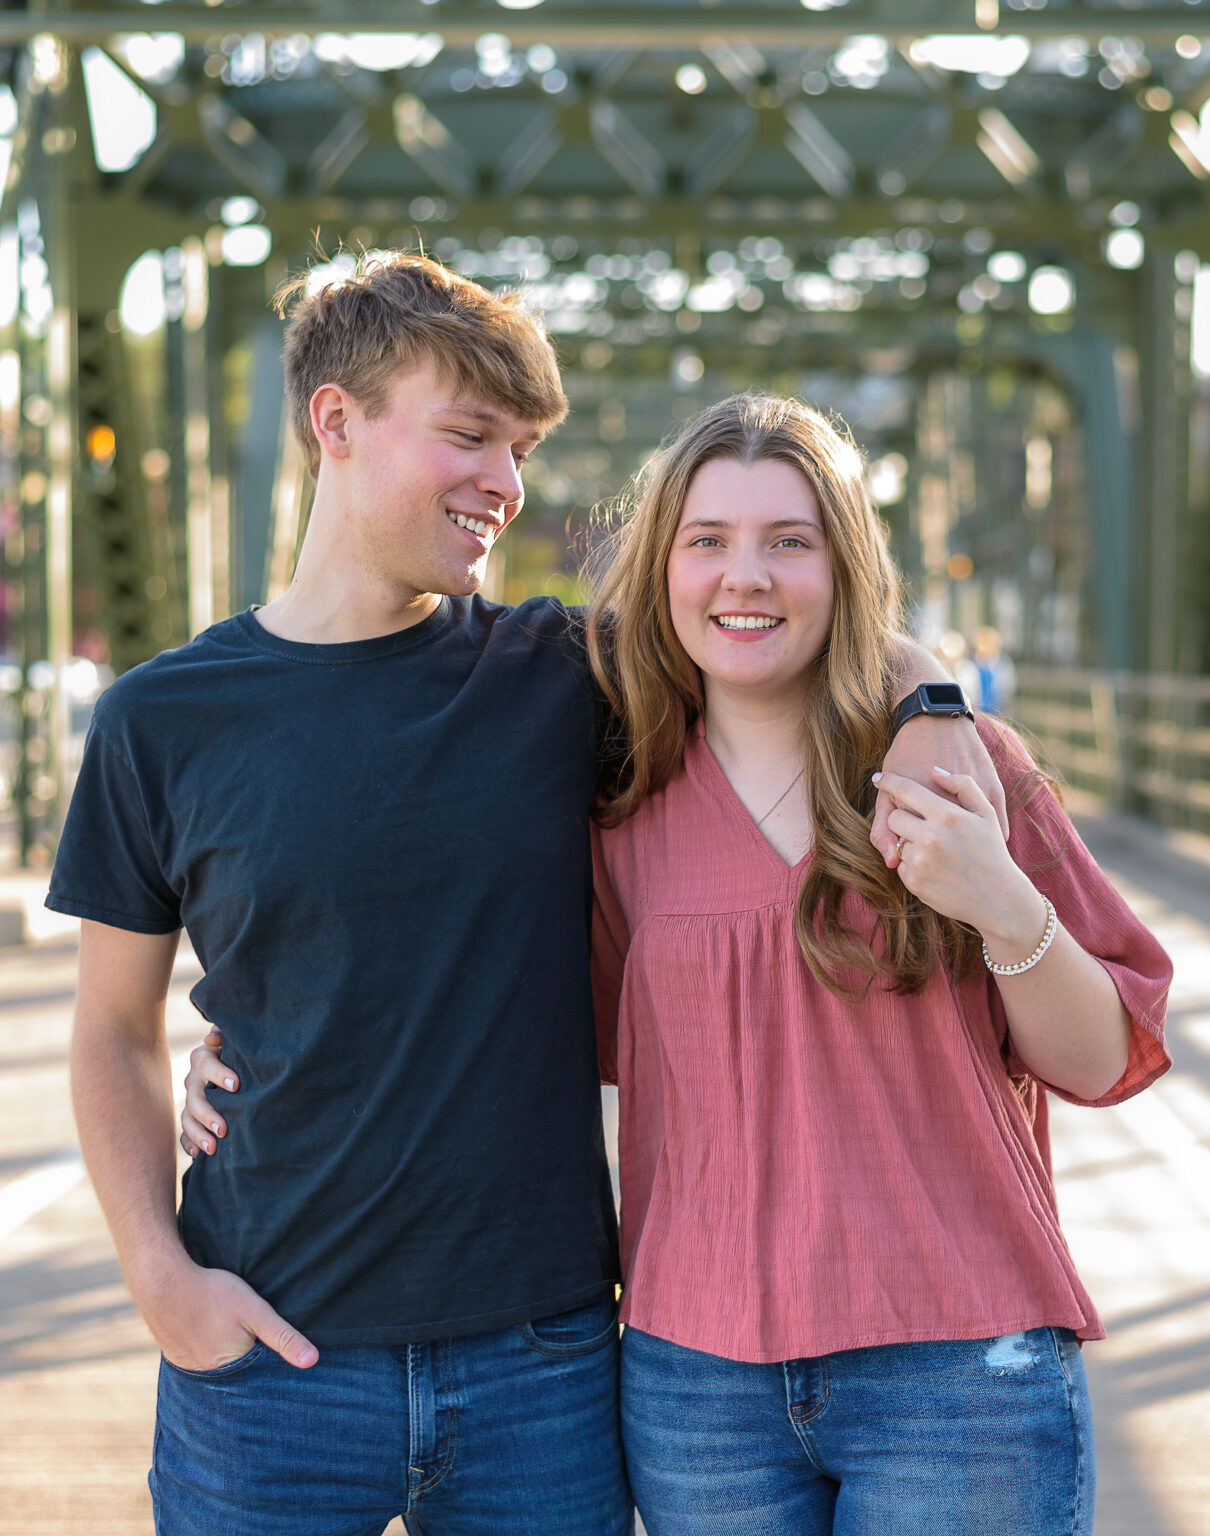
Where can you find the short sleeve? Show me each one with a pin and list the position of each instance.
(1046, 845)
(107, 868)
(610, 942)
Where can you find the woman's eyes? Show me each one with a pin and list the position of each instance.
(787, 541)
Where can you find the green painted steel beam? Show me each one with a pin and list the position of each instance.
(614, 25)
(798, 224)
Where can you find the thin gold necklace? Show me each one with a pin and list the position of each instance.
(780, 798)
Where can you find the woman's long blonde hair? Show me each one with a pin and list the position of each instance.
(655, 690)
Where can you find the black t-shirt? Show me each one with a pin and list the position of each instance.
(380, 853)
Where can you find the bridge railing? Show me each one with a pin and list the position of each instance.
(1139, 740)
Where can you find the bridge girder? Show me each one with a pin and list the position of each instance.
(590, 23)
(600, 155)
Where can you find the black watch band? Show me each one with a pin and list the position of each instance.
(944, 699)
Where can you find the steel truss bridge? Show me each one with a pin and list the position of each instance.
(975, 228)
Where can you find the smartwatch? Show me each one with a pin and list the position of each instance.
(945, 699)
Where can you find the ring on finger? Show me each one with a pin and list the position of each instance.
(899, 848)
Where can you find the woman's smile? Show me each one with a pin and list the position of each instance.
(747, 625)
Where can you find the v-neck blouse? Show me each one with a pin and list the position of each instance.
(802, 1174)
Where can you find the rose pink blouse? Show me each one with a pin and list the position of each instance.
(801, 1174)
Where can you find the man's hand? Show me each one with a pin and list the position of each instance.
(202, 1318)
(205, 1318)
(924, 742)
(220, 1317)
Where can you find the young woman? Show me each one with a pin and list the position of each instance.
(849, 1305)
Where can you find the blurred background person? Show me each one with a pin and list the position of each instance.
(997, 677)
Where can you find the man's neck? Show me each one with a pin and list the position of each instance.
(337, 596)
(331, 613)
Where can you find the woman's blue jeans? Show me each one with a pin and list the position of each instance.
(510, 1431)
(989, 1437)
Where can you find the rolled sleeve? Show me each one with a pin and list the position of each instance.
(1047, 847)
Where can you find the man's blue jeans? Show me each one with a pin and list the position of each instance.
(510, 1431)
(983, 1437)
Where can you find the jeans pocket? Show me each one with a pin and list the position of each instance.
(217, 1372)
(581, 1331)
(1067, 1348)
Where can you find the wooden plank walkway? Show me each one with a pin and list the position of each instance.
(77, 1368)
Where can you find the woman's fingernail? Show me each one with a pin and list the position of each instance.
(228, 1082)
(944, 772)
(876, 778)
(214, 1126)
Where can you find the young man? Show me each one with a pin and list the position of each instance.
(367, 803)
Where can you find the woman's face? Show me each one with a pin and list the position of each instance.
(749, 578)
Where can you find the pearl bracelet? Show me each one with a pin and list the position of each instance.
(1044, 943)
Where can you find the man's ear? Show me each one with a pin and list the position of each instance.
(330, 407)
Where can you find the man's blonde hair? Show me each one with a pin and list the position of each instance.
(395, 310)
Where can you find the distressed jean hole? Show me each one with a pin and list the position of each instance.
(1010, 1352)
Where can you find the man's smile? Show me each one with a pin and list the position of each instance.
(480, 527)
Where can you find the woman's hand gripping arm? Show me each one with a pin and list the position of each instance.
(1066, 1018)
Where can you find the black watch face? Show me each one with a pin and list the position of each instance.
(943, 696)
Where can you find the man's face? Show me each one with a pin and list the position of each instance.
(434, 481)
